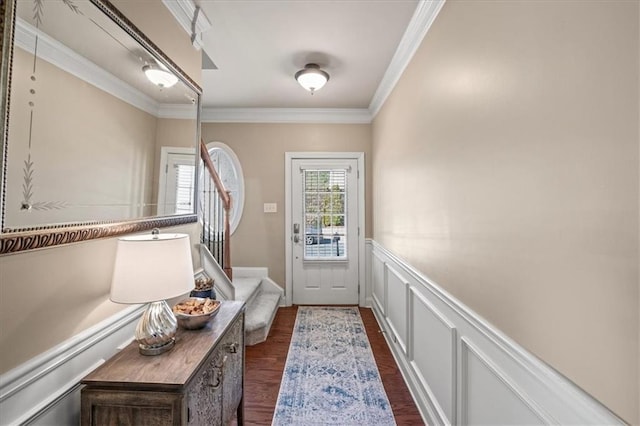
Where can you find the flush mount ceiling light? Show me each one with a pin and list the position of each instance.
(312, 78)
(159, 77)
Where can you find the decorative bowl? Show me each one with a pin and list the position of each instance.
(193, 313)
(208, 294)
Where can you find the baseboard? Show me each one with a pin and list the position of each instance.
(458, 367)
(46, 389)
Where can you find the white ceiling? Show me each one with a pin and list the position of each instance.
(258, 45)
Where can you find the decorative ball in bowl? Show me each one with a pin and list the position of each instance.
(195, 312)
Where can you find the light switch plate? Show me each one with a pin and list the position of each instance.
(270, 207)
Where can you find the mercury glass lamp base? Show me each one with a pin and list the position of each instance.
(156, 350)
(156, 330)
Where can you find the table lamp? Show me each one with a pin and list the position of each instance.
(149, 269)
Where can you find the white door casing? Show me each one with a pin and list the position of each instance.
(325, 257)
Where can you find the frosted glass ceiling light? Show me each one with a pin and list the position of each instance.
(159, 77)
(312, 78)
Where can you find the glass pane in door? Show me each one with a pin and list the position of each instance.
(325, 203)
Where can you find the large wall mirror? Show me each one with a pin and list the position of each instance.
(84, 126)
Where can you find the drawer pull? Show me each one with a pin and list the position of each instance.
(217, 378)
(232, 348)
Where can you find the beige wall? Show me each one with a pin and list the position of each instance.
(49, 295)
(103, 164)
(505, 168)
(259, 239)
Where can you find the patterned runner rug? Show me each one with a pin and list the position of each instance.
(331, 377)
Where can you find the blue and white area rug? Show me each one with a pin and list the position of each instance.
(331, 377)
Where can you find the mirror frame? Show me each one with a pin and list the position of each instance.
(31, 238)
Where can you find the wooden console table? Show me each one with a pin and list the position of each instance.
(198, 382)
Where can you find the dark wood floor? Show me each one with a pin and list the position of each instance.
(265, 361)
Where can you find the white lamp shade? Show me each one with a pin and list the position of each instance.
(150, 268)
(160, 77)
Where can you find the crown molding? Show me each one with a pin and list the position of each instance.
(421, 21)
(184, 11)
(68, 60)
(287, 115)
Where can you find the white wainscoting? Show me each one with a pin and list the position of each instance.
(459, 368)
(46, 389)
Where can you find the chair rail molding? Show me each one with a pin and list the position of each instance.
(46, 389)
(459, 368)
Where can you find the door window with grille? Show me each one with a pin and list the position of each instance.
(325, 204)
(184, 188)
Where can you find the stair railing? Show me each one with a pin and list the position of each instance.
(216, 214)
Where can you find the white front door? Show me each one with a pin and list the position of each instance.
(324, 234)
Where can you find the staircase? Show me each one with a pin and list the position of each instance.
(261, 295)
(251, 285)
